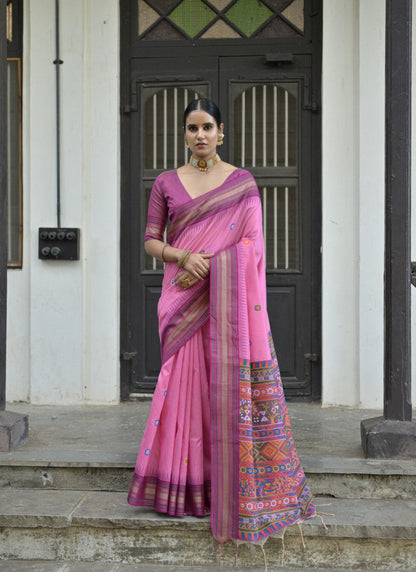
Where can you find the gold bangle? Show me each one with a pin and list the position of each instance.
(184, 256)
(185, 259)
(163, 251)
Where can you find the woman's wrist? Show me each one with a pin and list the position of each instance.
(169, 253)
(162, 256)
(183, 258)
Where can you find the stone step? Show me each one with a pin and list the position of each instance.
(45, 566)
(100, 526)
(327, 476)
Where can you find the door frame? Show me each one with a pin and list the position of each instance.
(311, 44)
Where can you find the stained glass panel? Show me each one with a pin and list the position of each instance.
(295, 14)
(164, 31)
(147, 16)
(276, 29)
(220, 30)
(248, 15)
(219, 19)
(192, 16)
(221, 4)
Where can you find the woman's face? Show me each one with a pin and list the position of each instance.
(201, 134)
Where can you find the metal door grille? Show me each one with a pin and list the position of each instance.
(280, 227)
(164, 146)
(266, 140)
(163, 139)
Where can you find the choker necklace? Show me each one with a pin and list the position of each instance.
(203, 165)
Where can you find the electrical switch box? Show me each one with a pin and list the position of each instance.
(59, 243)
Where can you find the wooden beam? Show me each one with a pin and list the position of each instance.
(397, 282)
(394, 435)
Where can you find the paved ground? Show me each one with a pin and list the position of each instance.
(113, 432)
(21, 566)
(109, 435)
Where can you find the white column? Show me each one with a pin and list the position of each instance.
(340, 215)
(371, 148)
(102, 192)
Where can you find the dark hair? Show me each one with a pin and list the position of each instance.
(203, 105)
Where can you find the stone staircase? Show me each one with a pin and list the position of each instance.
(68, 506)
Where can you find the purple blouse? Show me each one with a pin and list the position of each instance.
(168, 194)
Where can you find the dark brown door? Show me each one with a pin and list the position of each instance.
(272, 129)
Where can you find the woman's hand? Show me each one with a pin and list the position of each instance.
(196, 268)
(197, 264)
(184, 279)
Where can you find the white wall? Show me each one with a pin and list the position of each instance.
(63, 326)
(340, 199)
(353, 202)
(371, 149)
(63, 343)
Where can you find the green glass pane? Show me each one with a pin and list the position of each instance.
(192, 16)
(248, 15)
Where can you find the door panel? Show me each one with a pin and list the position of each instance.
(161, 89)
(283, 301)
(271, 136)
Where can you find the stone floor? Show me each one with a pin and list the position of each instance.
(110, 435)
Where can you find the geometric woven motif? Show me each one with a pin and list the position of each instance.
(273, 492)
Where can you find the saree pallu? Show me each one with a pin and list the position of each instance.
(218, 437)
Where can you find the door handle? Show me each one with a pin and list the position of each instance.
(279, 58)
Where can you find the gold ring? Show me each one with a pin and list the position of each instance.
(186, 283)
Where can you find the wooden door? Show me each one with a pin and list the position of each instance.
(268, 96)
(268, 101)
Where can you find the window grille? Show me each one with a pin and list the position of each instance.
(265, 136)
(163, 138)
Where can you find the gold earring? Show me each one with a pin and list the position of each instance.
(220, 139)
(186, 143)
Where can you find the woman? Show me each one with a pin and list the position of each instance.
(218, 438)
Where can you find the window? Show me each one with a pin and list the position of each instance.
(14, 133)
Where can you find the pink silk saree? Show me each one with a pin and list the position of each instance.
(218, 438)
